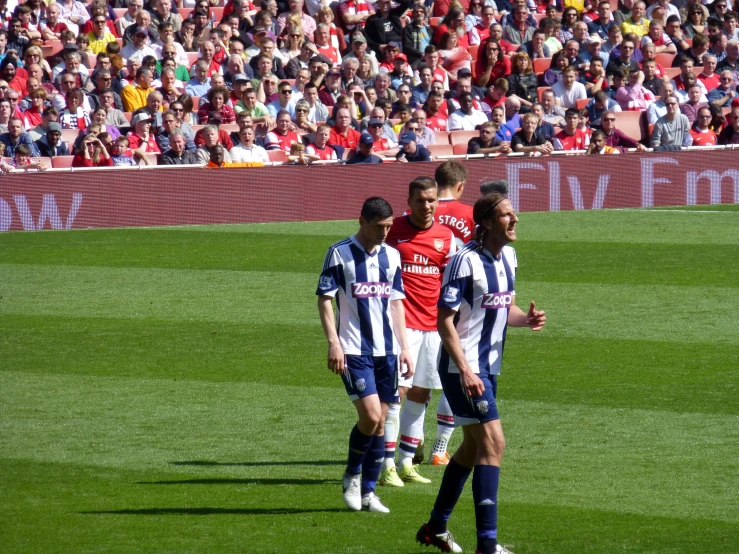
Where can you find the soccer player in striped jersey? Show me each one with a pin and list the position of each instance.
(425, 247)
(476, 305)
(369, 345)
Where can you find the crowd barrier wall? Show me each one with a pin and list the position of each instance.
(196, 196)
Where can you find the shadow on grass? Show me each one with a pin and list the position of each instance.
(245, 482)
(262, 464)
(212, 511)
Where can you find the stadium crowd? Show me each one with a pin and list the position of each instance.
(128, 82)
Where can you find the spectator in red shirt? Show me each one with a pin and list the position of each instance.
(708, 76)
(491, 64)
(141, 139)
(91, 153)
(381, 143)
(35, 114)
(437, 112)
(319, 148)
(571, 137)
(217, 98)
(701, 130)
(282, 138)
(343, 134)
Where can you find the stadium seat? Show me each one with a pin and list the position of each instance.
(435, 22)
(61, 162)
(473, 50)
(442, 137)
(541, 65)
(230, 127)
(120, 12)
(582, 103)
(538, 17)
(441, 150)
(672, 72)
(45, 161)
(51, 48)
(70, 135)
(665, 60)
(128, 116)
(689, 41)
(462, 137)
(277, 155)
(629, 123)
(91, 61)
(460, 149)
(217, 15)
(192, 57)
(185, 12)
(540, 91)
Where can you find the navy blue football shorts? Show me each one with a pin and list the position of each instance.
(367, 375)
(466, 410)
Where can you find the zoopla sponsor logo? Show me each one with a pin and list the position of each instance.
(495, 300)
(371, 290)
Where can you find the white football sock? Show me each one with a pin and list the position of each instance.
(444, 426)
(411, 430)
(392, 423)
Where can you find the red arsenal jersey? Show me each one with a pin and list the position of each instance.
(458, 217)
(423, 255)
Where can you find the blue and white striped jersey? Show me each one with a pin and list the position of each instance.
(480, 288)
(365, 284)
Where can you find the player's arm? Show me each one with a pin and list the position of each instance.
(473, 386)
(534, 319)
(335, 352)
(397, 313)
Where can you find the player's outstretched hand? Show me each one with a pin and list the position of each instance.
(472, 384)
(406, 361)
(535, 319)
(336, 359)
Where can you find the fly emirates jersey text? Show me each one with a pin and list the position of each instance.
(423, 255)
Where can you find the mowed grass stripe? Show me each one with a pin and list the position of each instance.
(652, 226)
(597, 372)
(590, 261)
(663, 313)
(148, 248)
(614, 459)
(277, 515)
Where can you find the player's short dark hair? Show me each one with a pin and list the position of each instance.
(422, 184)
(500, 186)
(450, 173)
(376, 208)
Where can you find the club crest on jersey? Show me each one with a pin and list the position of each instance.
(451, 294)
(482, 406)
(371, 290)
(496, 300)
(439, 244)
(361, 385)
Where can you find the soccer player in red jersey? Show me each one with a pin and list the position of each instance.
(424, 246)
(451, 177)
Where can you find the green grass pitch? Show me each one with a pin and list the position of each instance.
(165, 390)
